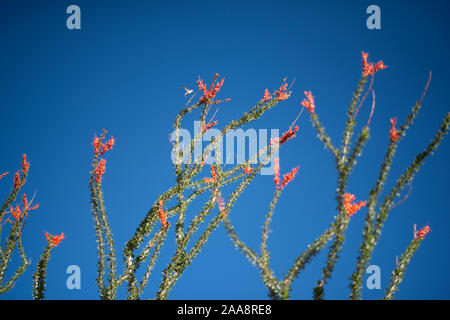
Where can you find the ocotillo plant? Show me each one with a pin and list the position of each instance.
(170, 208)
(16, 216)
(345, 159)
(145, 245)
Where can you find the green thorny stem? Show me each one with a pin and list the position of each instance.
(344, 166)
(41, 272)
(399, 272)
(280, 289)
(185, 174)
(103, 231)
(14, 240)
(374, 222)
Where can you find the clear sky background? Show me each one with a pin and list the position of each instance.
(125, 71)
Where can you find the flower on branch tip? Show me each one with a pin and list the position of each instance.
(162, 215)
(27, 205)
(25, 164)
(100, 170)
(16, 180)
(266, 96)
(17, 213)
(352, 208)
(213, 176)
(99, 147)
(276, 171)
(422, 233)
(286, 136)
(54, 240)
(288, 177)
(209, 94)
(208, 126)
(282, 94)
(369, 68)
(308, 102)
(393, 133)
(248, 169)
(108, 145)
(3, 175)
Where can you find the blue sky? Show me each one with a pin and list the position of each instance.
(125, 71)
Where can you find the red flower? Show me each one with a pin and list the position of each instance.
(352, 208)
(97, 144)
(16, 180)
(213, 176)
(3, 174)
(422, 232)
(108, 145)
(162, 214)
(369, 68)
(248, 169)
(25, 164)
(26, 205)
(288, 177)
(100, 170)
(285, 136)
(54, 240)
(393, 133)
(308, 102)
(16, 213)
(208, 126)
(281, 93)
(209, 94)
(276, 170)
(267, 96)
(99, 147)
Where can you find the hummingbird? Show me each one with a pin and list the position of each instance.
(188, 92)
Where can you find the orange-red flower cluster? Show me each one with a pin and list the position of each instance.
(288, 177)
(100, 148)
(393, 133)
(276, 170)
(267, 96)
(162, 214)
(308, 102)
(25, 168)
(54, 240)
(422, 233)
(369, 68)
(16, 180)
(282, 94)
(209, 94)
(100, 170)
(248, 169)
(352, 208)
(285, 136)
(25, 164)
(17, 212)
(213, 176)
(3, 175)
(208, 126)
